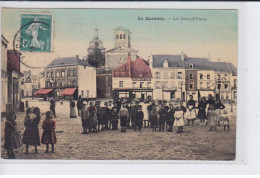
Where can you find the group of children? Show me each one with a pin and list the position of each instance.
(31, 134)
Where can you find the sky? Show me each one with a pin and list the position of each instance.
(215, 36)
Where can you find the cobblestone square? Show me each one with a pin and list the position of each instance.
(195, 143)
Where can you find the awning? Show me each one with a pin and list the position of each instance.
(68, 91)
(44, 91)
(37, 92)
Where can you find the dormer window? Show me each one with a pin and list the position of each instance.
(124, 36)
(120, 36)
(165, 63)
(190, 66)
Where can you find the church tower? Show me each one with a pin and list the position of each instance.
(95, 42)
(122, 37)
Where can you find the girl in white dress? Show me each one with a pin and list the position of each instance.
(179, 119)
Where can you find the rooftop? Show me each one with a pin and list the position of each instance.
(67, 61)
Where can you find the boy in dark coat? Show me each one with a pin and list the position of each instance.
(163, 113)
(139, 118)
(114, 119)
(99, 116)
(134, 110)
(170, 118)
(105, 116)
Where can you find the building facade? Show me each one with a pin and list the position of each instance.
(70, 77)
(168, 77)
(132, 80)
(4, 81)
(118, 55)
(14, 80)
(28, 84)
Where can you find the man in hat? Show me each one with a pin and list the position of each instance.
(163, 113)
(150, 108)
(123, 115)
(133, 114)
(139, 118)
(105, 115)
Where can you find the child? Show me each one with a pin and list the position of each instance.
(93, 117)
(114, 119)
(170, 118)
(49, 135)
(139, 118)
(31, 133)
(163, 113)
(202, 111)
(12, 137)
(154, 117)
(123, 115)
(179, 120)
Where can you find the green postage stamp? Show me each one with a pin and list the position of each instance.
(36, 32)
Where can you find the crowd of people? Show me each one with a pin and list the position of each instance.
(159, 115)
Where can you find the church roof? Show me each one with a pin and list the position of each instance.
(121, 28)
(67, 61)
(174, 61)
(122, 47)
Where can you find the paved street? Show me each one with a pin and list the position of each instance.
(196, 143)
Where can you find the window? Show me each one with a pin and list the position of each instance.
(201, 84)
(68, 73)
(121, 84)
(120, 36)
(218, 76)
(191, 76)
(191, 86)
(179, 73)
(157, 85)
(191, 66)
(74, 72)
(208, 76)
(117, 36)
(165, 63)
(219, 85)
(208, 85)
(87, 93)
(179, 84)
(62, 74)
(226, 86)
(235, 82)
(235, 95)
(57, 74)
(201, 76)
(222, 96)
(141, 84)
(82, 93)
(51, 74)
(157, 75)
(149, 84)
(74, 83)
(165, 75)
(227, 97)
(134, 84)
(124, 36)
(173, 75)
(165, 84)
(47, 74)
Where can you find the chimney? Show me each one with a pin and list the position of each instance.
(182, 56)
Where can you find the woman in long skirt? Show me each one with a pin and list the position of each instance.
(190, 115)
(72, 110)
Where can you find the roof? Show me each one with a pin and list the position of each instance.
(68, 91)
(137, 69)
(198, 63)
(174, 61)
(67, 61)
(233, 69)
(103, 71)
(121, 28)
(221, 67)
(140, 69)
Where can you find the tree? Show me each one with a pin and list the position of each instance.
(97, 58)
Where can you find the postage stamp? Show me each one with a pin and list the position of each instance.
(36, 32)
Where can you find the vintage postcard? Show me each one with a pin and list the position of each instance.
(119, 84)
